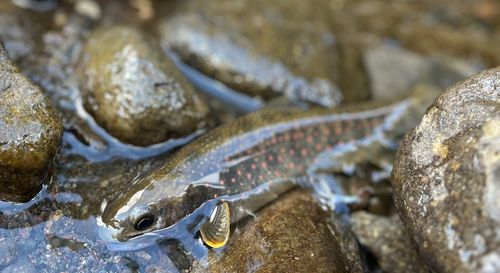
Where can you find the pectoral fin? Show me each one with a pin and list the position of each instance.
(215, 231)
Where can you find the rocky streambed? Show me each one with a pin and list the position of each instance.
(93, 96)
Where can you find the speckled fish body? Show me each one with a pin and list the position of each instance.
(251, 161)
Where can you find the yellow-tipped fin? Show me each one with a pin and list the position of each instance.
(215, 231)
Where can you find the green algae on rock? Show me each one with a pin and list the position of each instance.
(30, 136)
(445, 178)
(264, 48)
(387, 240)
(292, 234)
(134, 91)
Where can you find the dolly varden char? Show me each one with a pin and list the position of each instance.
(251, 161)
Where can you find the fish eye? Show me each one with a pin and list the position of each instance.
(142, 218)
(143, 223)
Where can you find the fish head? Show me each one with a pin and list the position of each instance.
(142, 210)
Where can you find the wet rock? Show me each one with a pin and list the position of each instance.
(164, 264)
(64, 231)
(30, 136)
(387, 240)
(8, 252)
(393, 70)
(292, 234)
(22, 265)
(134, 91)
(19, 30)
(445, 178)
(263, 48)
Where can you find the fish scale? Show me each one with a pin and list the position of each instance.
(251, 161)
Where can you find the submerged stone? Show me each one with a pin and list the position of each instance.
(30, 136)
(293, 234)
(393, 70)
(445, 178)
(268, 48)
(134, 91)
(387, 240)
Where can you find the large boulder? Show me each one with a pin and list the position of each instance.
(446, 178)
(30, 134)
(265, 48)
(134, 91)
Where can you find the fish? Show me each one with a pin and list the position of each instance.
(232, 171)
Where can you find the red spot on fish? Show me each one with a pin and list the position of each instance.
(316, 161)
(297, 145)
(273, 140)
(292, 152)
(359, 127)
(282, 150)
(341, 143)
(316, 133)
(271, 158)
(239, 172)
(218, 166)
(318, 147)
(261, 177)
(295, 136)
(222, 182)
(253, 166)
(309, 139)
(249, 151)
(368, 134)
(223, 200)
(280, 158)
(206, 185)
(243, 195)
(232, 200)
(352, 140)
(292, 166)
(338, 130)
(233, 180)
(287, 138)
(277, 173)
(263, 150)
(300, 168)
(285, 176)
(328, 148)
(280, 138)
(302, 135)
(215, 195)
(264, 165)
(326, 132)
(347, 130)
(270, 183)
(303, 152)
(267, 142)
(259, 189)
(227, 159)
(249, 175)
